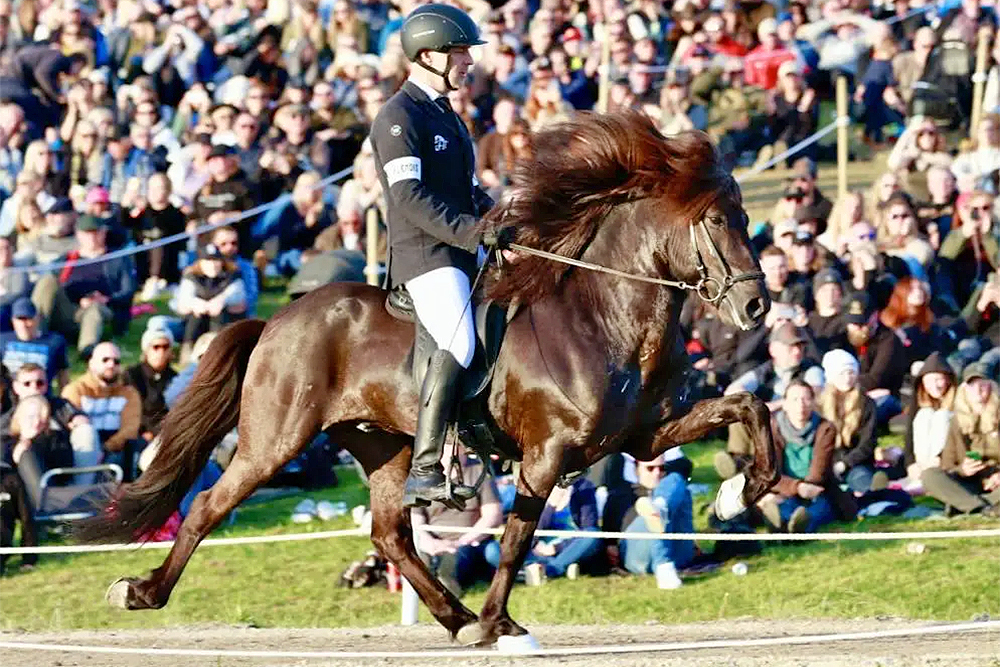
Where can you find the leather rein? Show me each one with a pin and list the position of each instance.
(709, 289)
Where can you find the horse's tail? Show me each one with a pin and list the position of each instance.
(208, 409)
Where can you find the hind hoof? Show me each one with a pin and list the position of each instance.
(117, 594)
(472, 634)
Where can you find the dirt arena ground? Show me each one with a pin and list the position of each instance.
(979, 648)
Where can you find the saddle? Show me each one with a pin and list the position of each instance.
(474, 430)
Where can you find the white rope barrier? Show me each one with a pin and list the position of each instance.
(989, 533)
(951, 628)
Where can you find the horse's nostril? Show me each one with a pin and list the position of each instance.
(755, 308)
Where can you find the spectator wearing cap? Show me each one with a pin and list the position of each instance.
(852, 413)
(804, 261)
(28, 344)
(152, 218)
(968, 480)
(150, 377)
(678, 112)
(801, 501)
(882, 357)
(762, 63)
(787, 362)
(113, 407)
(804, 173)
(101, 289)
(826, 319)
(791, 111)
(211, 295)
(928, 418)
(226, 194)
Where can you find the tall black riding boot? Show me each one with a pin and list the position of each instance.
(427, 482)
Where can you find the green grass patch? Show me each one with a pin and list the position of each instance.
(295, 584)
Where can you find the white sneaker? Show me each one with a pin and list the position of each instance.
(573, 571)
(304, 511)
(534, 574)
(666, 577)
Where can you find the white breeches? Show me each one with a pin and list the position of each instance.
(440, 298)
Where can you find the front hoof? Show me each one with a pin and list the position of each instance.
(472, 634)
(729, 502)
(117, 594)
(517, 644)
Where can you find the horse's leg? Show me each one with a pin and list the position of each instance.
(710, 414)
(539, 472)
(261, 452)
(386, 460)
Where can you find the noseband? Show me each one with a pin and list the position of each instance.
(710, 290)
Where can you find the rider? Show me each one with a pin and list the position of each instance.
(426, 165)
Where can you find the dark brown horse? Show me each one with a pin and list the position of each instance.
(591, 364)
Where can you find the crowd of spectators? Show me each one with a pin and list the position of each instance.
(123, 122)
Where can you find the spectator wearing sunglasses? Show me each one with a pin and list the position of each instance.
(113, 407)
(150, 377)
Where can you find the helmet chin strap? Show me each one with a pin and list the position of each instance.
(441, 73)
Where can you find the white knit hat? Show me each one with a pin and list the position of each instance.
(837, 361)
(150, 336)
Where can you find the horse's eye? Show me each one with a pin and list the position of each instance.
(719, 220)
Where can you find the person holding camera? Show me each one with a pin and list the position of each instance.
(971, 250)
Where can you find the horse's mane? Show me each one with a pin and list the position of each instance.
(580, 170)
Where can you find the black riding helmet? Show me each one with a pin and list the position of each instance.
(437, 27)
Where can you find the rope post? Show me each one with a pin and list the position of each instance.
(371, 245)
(843, 122)
(979, 80)
(604, 85)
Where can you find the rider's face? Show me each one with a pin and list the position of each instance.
(461, 63)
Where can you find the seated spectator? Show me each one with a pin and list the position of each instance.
(982, 160)
(968, 480)
(847, 211)
(211, 295)
(881, 353)
(920, 147)
(227, 240)
(800, 502)
(852, 414)
(804, 174)
(826, 321)
(910, 317)
(55, 240)
(102, 290)
(788, 363)
(774, 264)
(664, 505)
(152, 218)
(114, 408)
(27, 344)
(897, 236)
(791, 111)
(981, 315)
(14, 285)
(458, 559)
(934, 215)
(678, 113)
(928, 418)
(30, 380)
(227, 193)
(29, 448)
(971, 247)
(296, 223)
(573, 508)
(182, 379)
(150, 377)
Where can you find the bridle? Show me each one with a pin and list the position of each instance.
(709, 289)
